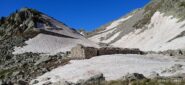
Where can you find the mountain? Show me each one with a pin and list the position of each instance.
(40, 33)
(32, 43)
(159, 26)
(35, 49)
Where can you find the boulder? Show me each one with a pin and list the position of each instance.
(134, 76)
(94, 80)
(21, 82)
(34, 82)
(154, 75)
(173, 69)
(63, 83)
(48, 83)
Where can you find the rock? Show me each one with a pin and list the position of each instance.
(7, 82)
(15, 73)
(174, 52)
(1, 82)
(173, 69)
(42, 59)
(134, 76)
(178, 76)
(48, 83)
(94, 80)
(34, 82)
(63, 83)
(82, 52)
(21, 82)
(154, 75)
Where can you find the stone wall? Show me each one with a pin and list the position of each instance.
(114, 50)
(82, 52)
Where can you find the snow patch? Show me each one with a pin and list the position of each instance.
(109, 29)
(117, 22)
(60, 38)
(49, 44)
(155, 38)
(112, 66)
(97, 38)
(111, 38)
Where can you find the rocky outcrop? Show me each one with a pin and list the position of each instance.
(133, 77)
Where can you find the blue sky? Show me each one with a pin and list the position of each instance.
(87, 14)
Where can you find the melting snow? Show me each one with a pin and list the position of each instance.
(112, 66)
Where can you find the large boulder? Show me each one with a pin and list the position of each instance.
(134, 76)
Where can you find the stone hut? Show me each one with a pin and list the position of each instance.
(82, 52)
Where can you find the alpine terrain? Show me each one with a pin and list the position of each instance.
(144, 47)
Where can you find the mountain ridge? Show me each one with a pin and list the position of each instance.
(140, 20)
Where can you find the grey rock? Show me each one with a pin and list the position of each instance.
(48, 83)
(34, 82)
(94, 80)
(134, 76)
(42, 59)
(178, 76)
(21, 82)
(173, 69)
(63, 83)
(154, 75)
(1, 82)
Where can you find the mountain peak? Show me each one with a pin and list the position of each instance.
(22, 22)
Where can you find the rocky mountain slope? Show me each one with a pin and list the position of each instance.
(41, 33)
(159, 26)
(32, 43)
(35, 49)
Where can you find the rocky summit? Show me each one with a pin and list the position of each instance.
(145, 47)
